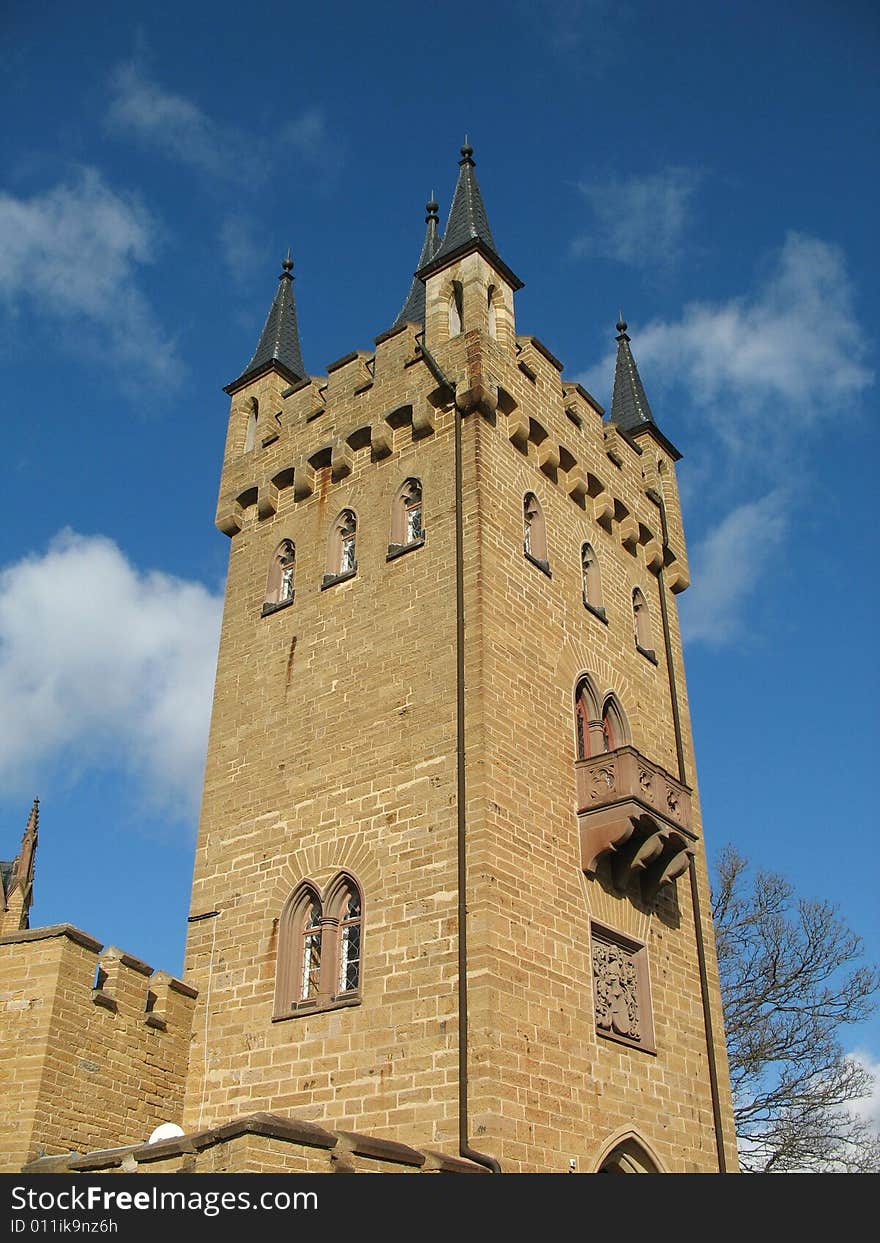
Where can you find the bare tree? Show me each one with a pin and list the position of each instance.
(790, 977)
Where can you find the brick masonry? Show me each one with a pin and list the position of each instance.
(333, 746)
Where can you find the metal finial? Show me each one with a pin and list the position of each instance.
(432, 207)
(621, 322)
(287, 264)
(467, 150)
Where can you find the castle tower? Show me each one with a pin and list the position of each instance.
(450, 883)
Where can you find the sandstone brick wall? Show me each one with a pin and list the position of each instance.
(84, 1068)
(333, 745)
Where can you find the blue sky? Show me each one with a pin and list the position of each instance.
(709, 169)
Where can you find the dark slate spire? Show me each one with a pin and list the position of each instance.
(468, 225)
(467, 216)
(630, 409)
(414, 308)
(279, 342)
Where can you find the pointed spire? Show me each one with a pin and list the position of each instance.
(279, 341)
(467, 217)
(413, 310)
(19, 874)
(630, 408)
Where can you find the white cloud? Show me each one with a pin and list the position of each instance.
(727, 564)
(103, 664)
(72, 255)
(794, 350)
(638, 220)
(179, 129)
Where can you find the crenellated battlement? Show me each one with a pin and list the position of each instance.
(100, 1039)
(369, 406)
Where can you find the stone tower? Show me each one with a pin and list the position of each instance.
(450, 882)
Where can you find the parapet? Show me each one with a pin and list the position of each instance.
(261, 1143)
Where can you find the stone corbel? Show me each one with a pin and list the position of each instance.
(341, 460)
(229, 518)
(614, 444)
(548, 457)
(303, 481)
(629, 533)
(603, 509)
(479, 397)
(422, 420)
(603, 830)
(380, 441)
(672, 863)
(267, 499)
(653, 556)
(518, 430)
(576, 483)
(635, 856)
(677, 577)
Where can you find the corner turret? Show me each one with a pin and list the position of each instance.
(468, 286)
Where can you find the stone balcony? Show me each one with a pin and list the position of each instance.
(635, 811)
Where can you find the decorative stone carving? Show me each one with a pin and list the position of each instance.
(602, 781)
(621, 988)
(616, 990)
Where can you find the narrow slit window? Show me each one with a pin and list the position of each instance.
(591, 580)
(342, 548)
(407, 526)
(280, 579)
(534, 531)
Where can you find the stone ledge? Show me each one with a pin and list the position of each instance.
(53, 930)
(294, 1131)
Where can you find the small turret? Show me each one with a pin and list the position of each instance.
(468, 286)
(413, 310)
(630, 409)
(278, 348)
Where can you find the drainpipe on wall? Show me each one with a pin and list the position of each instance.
(695, 897)
(464, 1147)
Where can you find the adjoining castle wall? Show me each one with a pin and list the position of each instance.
(84, 1067)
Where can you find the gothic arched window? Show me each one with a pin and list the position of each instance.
(279, 582)
(586, 719)
(642, 625)
(341, 548)
(615, 730)
(591, 581)
(597, 730)
(319, 947)
(406, 517)
(535, 532)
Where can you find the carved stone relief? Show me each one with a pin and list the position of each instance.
(616, 990)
